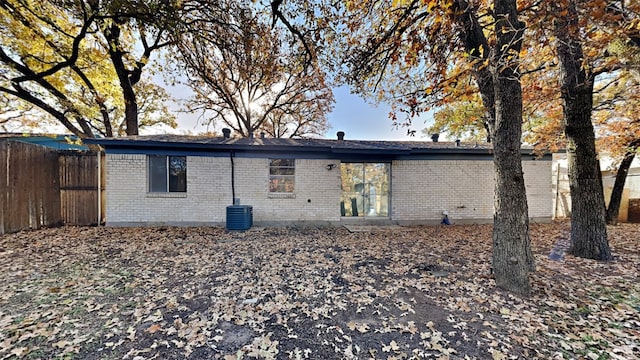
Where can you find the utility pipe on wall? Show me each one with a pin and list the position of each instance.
(233, 180)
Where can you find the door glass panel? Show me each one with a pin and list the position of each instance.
(352, 201)
(377, 190)
(365, 190)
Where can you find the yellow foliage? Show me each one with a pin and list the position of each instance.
(69, 47)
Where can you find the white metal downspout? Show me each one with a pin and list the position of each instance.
(555, 209)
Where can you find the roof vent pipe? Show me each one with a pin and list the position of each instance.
(457, 142)
(226, 132)
(262, 135)
(435, 137)
(340, 135)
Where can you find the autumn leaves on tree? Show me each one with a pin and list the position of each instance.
(87, 65)
(80, 64)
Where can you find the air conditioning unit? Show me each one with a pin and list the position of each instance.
(239, 217)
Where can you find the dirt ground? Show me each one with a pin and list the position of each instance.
(316, 293)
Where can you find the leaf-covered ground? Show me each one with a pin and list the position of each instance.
(394, 293)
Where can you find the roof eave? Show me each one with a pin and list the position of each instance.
(135, 144)
(328, 149)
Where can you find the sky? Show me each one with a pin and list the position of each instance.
(363, 121)
(359, 119)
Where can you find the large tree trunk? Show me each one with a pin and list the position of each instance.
(112, 35)
(618, 186)
(588, 228)
(512, 257)
(130, 109)
(501, 94)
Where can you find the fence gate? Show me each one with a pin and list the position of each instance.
(79, 187)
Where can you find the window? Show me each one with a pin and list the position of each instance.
(282, 175)
(167, 173)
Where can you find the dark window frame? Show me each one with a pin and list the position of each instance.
(166, 174)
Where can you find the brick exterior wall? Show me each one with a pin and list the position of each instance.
(316, 196)
(420, 191)
(424, 189)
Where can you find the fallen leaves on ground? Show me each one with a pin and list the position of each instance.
(308, 293)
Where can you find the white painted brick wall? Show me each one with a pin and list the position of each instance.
(317, 192)
(421, 190)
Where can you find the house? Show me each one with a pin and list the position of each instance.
(190, 180)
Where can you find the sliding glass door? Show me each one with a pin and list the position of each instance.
(365, 190)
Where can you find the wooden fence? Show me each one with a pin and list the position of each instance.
(78, 187)
(42, 187)
(634, 210)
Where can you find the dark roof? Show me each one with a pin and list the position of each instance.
(336, 148)
(192, 142)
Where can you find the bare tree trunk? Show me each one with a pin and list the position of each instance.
(129, 95)
(501, 94)
(112, 35)
(130, 110)
(618, 186)
(512, 257)
(588, 228)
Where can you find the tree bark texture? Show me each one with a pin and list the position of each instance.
(512, 257)
(474, 39)
(112, 35)
(588, 227)
(501, 94)
(613, 210)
